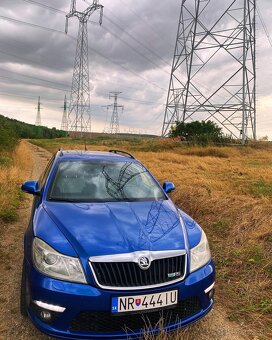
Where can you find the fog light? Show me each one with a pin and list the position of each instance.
(45, 315)
(210, 291)
(211, 294)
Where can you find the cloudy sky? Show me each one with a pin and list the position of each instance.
(131, 52)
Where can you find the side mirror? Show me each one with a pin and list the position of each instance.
(31, 187)
(168, 187)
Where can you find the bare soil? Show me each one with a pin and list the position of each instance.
(13, 326)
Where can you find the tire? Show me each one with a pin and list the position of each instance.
(24, 296)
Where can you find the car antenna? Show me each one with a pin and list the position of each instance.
(85, 146)
(61, 151)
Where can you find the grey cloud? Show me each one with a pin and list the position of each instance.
(50, 55)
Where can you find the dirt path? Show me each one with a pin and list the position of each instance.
(12, 326)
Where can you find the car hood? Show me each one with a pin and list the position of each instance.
(118, 227)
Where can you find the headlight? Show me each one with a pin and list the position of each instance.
(51, 263)
(200, 255)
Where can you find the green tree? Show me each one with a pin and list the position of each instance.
(8, 137)
(198, 131)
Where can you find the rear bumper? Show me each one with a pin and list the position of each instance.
(77, 298)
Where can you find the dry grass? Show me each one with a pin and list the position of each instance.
(13, 167)
(229, 192)
(218, 194)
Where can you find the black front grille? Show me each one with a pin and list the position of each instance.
(102, 322)
(129, 274)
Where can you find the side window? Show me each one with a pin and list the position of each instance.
(44, 175)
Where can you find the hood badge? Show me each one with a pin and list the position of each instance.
(144, 262)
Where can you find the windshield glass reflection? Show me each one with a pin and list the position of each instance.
(87, 181)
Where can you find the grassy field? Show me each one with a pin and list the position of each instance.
(12, 164)
(14, 159)
(228, 190)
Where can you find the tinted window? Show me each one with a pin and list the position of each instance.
(86, 181)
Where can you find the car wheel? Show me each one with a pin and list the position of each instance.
(24, 297)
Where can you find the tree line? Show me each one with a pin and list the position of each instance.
(11, 130)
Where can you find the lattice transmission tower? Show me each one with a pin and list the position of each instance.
(114, 123)
(79, 115)
(38, 121)
(64, 121)
(213, 74)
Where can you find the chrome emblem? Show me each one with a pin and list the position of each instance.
(144, 262)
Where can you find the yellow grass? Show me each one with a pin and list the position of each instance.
(217, 193)
(11, 174)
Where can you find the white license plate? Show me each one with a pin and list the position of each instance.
(137, 303)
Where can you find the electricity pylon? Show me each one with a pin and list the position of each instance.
(38, 117)
(64, 122)
(79, 116)
(213, 74)
(114, 124)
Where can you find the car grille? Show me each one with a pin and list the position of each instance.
(104, 322)
(129, 274)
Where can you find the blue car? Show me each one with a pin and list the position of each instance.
(107, 254)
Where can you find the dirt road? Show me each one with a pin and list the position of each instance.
(12, 326)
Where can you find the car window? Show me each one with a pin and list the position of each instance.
(44, 175)
(94, 181)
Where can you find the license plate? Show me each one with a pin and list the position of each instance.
(137, 303)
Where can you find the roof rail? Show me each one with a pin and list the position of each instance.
(122, 152)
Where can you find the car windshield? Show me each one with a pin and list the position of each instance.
(92, 181)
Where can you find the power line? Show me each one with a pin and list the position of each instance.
(45, 6)
(128, 70)
(124, 31)
(134, 49)
(30, 24)
(22, 58)
(116, 36)
(264, 25)
(32, 83)
(90, 48)
(111, 21)
(12, 94)
(35, 78)
(140, 101)
(57, 31)
(147, 23)
(53, 9)
(135, 39)
(38, 84)
(61, 84)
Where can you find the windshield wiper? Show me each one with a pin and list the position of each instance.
(63, 200)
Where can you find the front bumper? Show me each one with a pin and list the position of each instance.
(84, 303)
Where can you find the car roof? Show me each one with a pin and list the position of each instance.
(92, 155)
